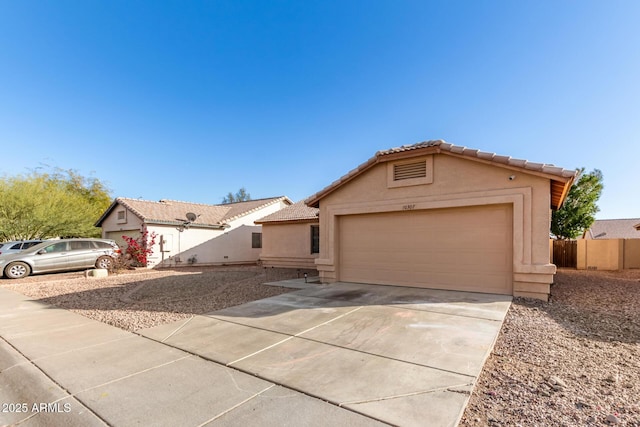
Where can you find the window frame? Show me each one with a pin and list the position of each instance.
(256, 244)
(315, 239)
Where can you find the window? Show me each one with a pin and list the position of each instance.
(256, 240)
(77, 245)
(58, 247)
(315, 239)
(121, 217)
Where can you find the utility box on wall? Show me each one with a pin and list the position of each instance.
(166, 243)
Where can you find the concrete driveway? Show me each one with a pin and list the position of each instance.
(403, 356)
(344, 354)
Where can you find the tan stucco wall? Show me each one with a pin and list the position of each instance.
(457, 182)
(287, 245)
(111, 224)
(608, 254)
(632, 253)
(600, 254)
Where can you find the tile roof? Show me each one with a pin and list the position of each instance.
(298, 212)
(483, 155)
(614, 229)
(173, 212)
(562, 178)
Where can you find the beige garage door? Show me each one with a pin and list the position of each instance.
(468, 249)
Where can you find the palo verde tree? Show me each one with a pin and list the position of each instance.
(240, 196)
(579, 209)
(51, 204)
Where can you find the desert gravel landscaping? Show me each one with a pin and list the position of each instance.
(138, 299)
(573, 361)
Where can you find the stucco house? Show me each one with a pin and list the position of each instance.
(628, 228)
(437, 215)
(291, 237)
(191, 233)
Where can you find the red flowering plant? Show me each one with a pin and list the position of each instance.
(139, 249)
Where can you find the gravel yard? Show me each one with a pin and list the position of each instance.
(574, 361)
(137, 299)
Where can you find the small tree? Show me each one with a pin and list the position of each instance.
(579, 209)
(139, 249)
(240, 196)
(51, 204)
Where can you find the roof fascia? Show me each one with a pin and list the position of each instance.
(314, 201)
(288, 221)
(178, 224)
(117, 201)
(106, 213)
(272, 201)
(565, 192)
(511, 167)
(419, 152)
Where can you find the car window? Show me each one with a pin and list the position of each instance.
(103, 245)
(29, 244)
(16, 246)
(56, 247)
(79, 245)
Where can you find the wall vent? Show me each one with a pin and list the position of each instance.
(410, 170)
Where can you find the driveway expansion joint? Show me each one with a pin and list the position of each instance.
(177, 329)
(417, 393)
(237, 405)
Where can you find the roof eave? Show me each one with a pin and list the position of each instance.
(288, 221)
(106, 213)
(271, 201)
(566, 186)
(178, 224)
(381, 157)
(314, 200)
(117, 201)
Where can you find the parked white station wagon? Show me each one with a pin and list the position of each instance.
(60, 255)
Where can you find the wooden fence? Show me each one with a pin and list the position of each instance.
(565, 253)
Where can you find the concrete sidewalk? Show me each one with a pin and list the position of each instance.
(342, 354)
(58, 368)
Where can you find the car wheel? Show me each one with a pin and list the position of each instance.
(17, 270)
(105, 262)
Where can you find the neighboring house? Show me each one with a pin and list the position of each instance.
(436, 215)
(191, 233)
(614, 229)
(291, 237)
(610, 244)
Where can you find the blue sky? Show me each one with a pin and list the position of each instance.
(190, 100)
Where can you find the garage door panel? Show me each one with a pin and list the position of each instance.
(460, 248)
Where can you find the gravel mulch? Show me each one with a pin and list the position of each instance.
(139, 299)
(574, 361)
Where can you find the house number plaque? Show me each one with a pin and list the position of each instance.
(408, 207)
